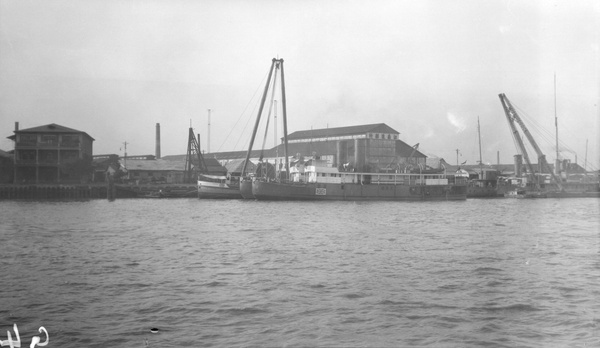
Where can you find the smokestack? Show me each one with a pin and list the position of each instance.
(157, 150)
(208, 140)
(16, 126)
(518, 164)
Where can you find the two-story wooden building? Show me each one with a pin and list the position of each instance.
(43, 154)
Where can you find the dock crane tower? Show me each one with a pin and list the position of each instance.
(193, 157)
(512, 117)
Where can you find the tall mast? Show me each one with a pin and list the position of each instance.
(557, 161)
(260, 109)
(275, 124)
(285, 134)
(208, 140)
(479, 134)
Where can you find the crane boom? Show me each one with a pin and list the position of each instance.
(512, 116)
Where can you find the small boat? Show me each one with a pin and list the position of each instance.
(218, 186)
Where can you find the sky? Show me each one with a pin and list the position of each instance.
(428, 69)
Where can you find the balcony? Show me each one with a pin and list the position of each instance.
(27, 161)
(26, 144)
(48, 161)
(72, 144)
(48, 144)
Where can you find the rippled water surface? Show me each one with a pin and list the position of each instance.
(478, 273)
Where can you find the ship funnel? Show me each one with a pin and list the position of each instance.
(518, 165)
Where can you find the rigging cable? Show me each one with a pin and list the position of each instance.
(242, 114)
(262, 149)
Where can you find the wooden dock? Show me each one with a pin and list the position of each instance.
(94, 191)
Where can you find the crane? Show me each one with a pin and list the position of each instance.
(512, 117)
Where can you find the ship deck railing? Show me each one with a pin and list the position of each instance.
(378, 178)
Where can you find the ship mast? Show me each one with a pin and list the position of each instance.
(275, 64)
(557, 161)
(480, 160)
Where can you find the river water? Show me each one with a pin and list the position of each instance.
(234, 273)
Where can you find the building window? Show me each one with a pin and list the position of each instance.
(70, 140)
(49, 139)
(376, 136)
(27, 139)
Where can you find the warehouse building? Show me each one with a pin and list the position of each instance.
(369, 148)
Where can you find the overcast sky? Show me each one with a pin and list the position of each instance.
(428, 69)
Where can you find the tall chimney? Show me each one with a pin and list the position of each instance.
(518, 161)
(16, 126)
(157, 150)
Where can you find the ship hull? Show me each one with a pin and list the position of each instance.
(210, 190)
(246, 189)
(263, 190)
(573, 194)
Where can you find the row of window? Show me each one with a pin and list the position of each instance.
(383, 136)
(46, 155)
(48, 139)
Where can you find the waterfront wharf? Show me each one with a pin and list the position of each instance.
(93, 191)
(39, 191)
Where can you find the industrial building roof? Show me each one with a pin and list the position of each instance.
(49, 128)
(155, 165)
(236, 166)
(342, 131)
(171, 165)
